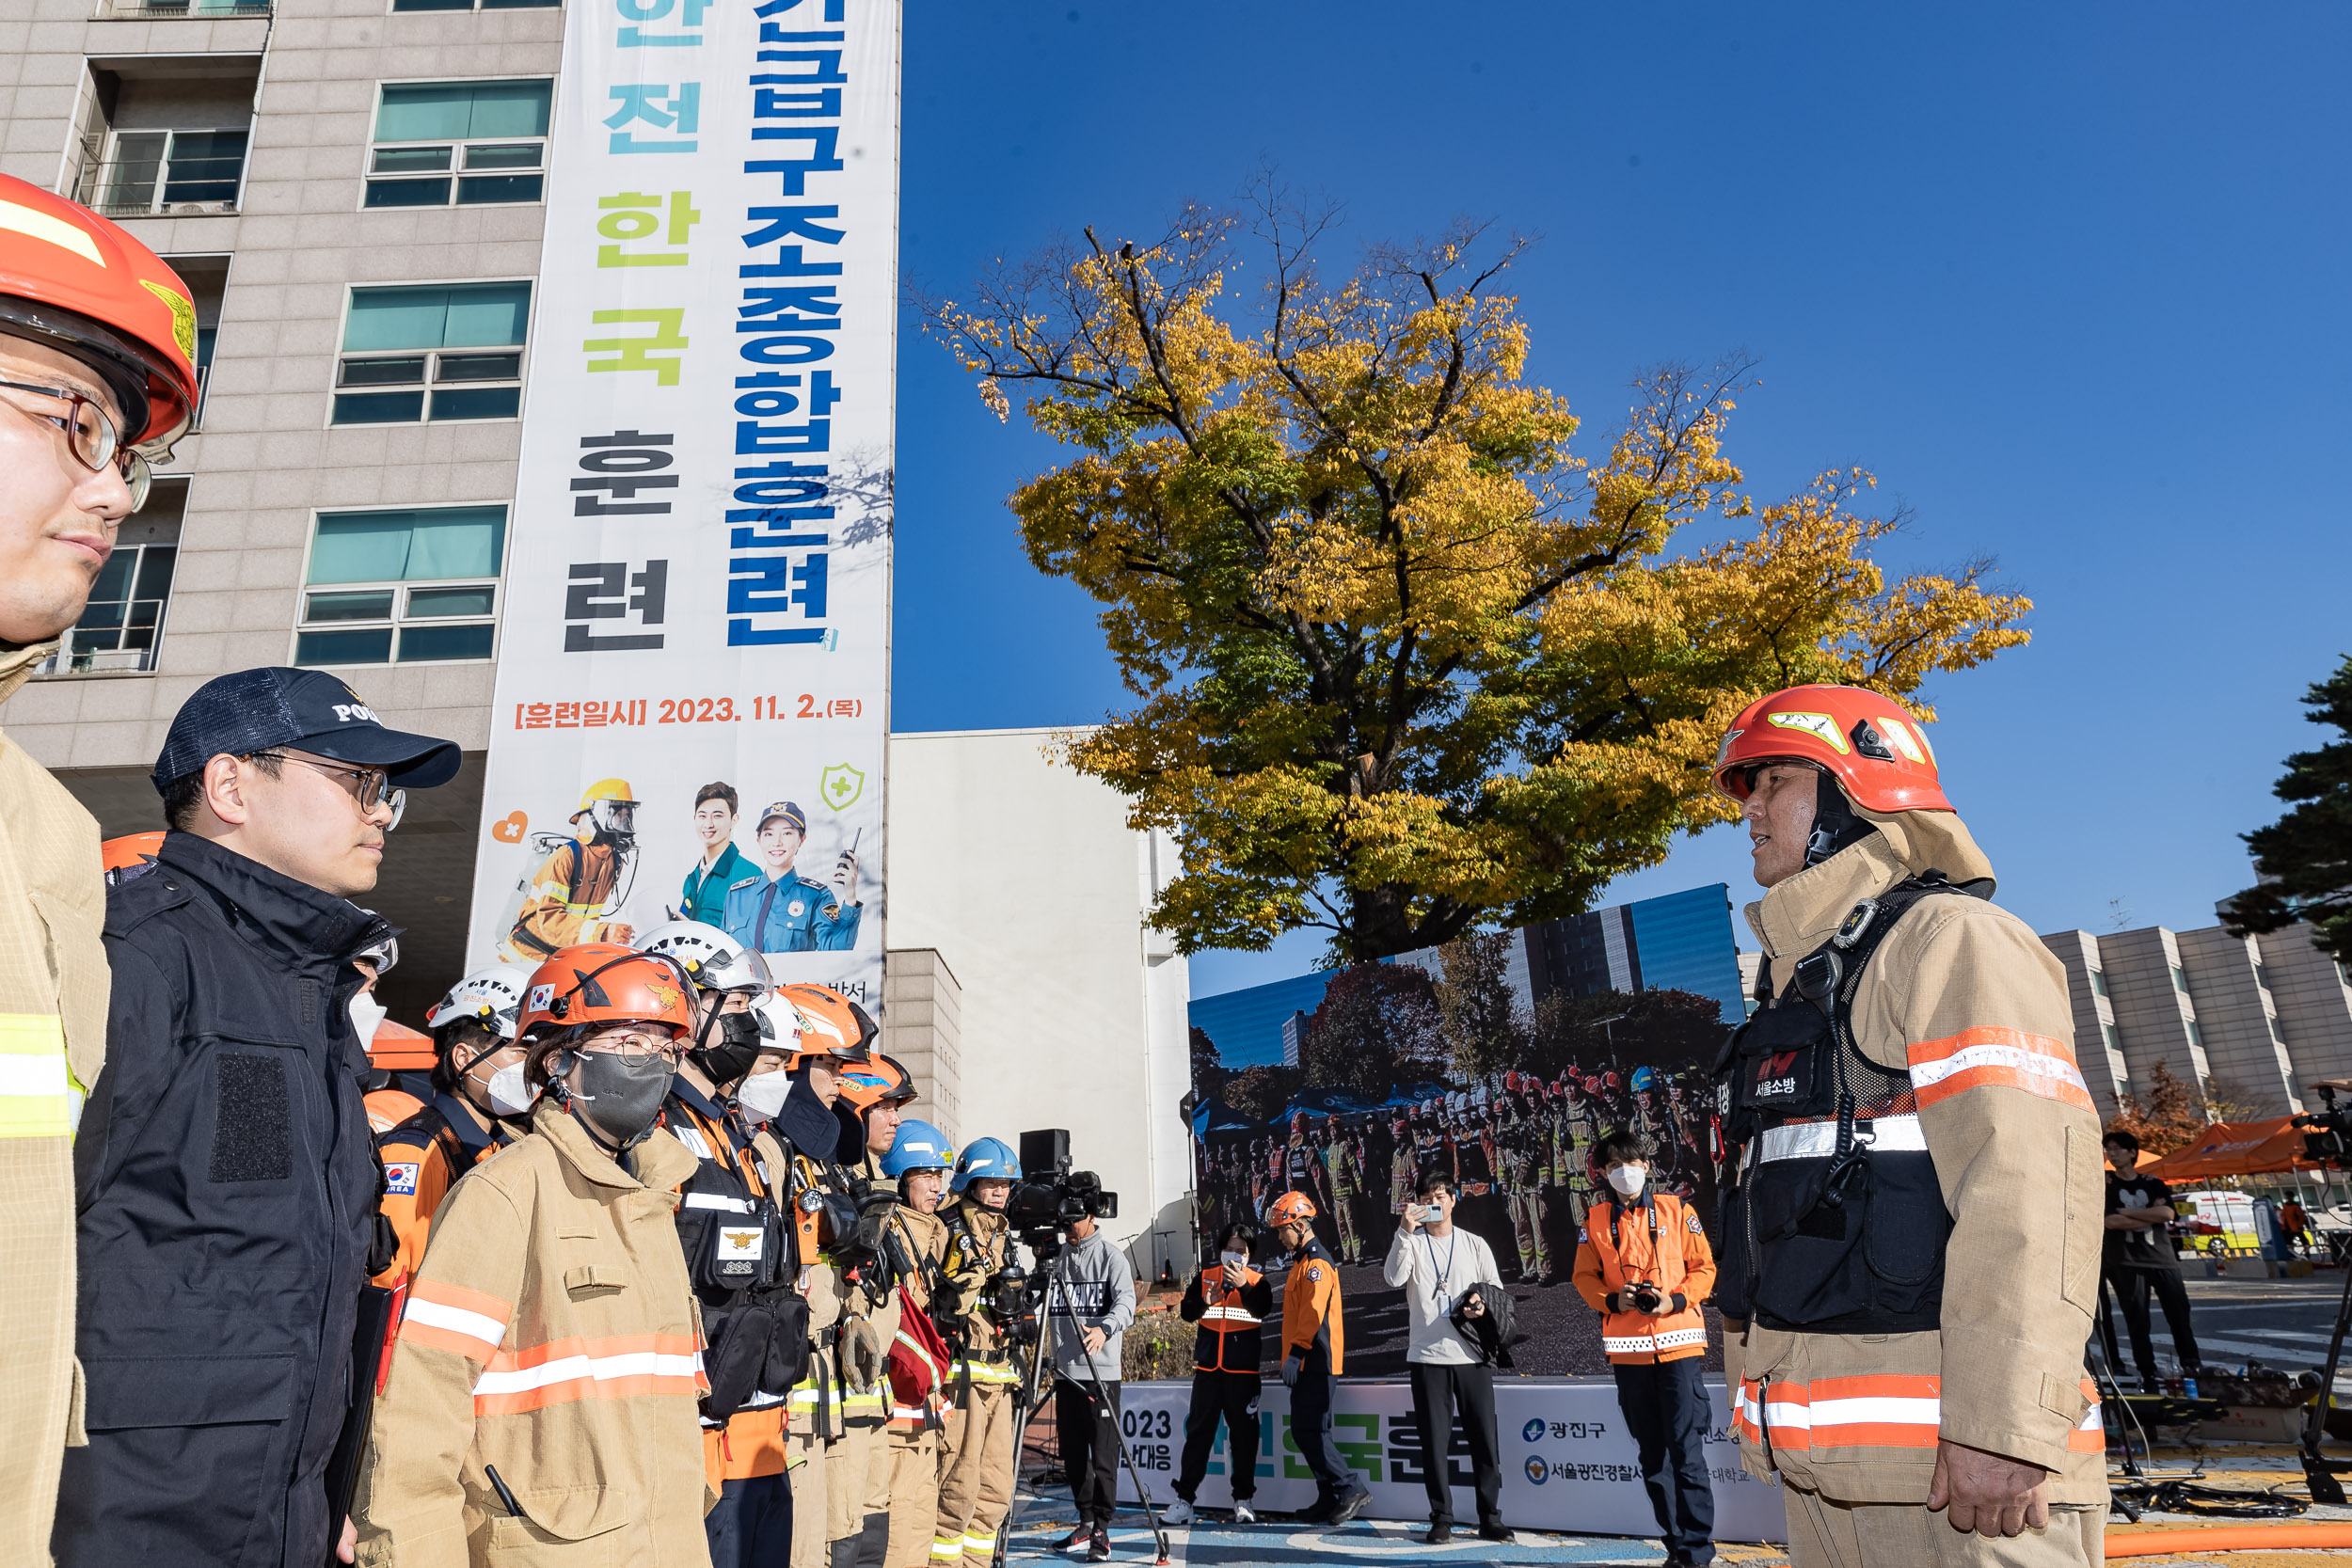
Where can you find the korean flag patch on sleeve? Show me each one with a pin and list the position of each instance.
(401, 1179)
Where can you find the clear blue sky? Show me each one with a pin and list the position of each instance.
(2070, 279)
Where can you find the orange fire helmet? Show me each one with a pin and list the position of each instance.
(1872, 747)
(602, 982)
(81, 283)
(878, 1082)
(831, 1024)
(132, 855)
(1291, 1207)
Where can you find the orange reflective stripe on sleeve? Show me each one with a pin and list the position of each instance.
(1984, 1057)
(614, 1367)
(440, 1316)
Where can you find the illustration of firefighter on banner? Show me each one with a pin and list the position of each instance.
(692, 698)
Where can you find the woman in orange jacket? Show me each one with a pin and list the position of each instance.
(1643, 1262)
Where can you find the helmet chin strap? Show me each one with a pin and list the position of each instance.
(1835, 825)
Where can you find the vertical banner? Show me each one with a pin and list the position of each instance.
(693, 664)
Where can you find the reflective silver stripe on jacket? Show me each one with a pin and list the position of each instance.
(1818, 1140)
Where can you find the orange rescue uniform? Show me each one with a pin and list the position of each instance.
(1311, 1307)
(1657, 1240)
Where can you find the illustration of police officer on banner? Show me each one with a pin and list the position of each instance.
(780, 909)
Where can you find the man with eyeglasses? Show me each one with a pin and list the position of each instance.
(94, 363)
(228, 1179)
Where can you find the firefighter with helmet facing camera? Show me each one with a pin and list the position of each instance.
(919, 1161)
(97, 350)
(1920, 1159)
(554, 1272)
(976, 1458)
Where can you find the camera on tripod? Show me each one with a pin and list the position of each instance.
(1052, 1197)
(2328, 1132)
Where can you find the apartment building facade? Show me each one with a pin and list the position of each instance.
(2252, 1021)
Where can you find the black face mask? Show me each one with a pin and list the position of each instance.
(1835, 825)
(620, 1099)
(806, 1122)
(732, 1055)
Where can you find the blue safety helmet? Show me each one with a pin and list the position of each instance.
(919, 1146)
(988, 1159)
(1644, 1078)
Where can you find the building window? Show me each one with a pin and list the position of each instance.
(2270, 1022)
(468, 143)
(471, 5)
(444, 352)
(2098, 982)
(2196, 1037)
(2180, 981)
(2107, 1033)
(161, 171)
(408, 587)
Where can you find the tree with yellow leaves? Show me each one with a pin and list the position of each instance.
(1408, 665)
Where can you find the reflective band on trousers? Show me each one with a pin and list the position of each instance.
(37, 1098)
(1818, 1140)
(1648, 1344)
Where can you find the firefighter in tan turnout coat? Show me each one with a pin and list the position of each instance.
(1910, 1250)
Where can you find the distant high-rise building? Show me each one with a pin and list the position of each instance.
(2253, 1020)
(1294, 1039)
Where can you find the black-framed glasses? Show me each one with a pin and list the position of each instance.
(371, 786)
(91, 435)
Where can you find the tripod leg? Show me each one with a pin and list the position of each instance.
(2319, 1475)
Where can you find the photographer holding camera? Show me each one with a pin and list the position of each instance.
(1437, 1262)
(1230, 1301)
(1089, 1304)
(1645, 1265)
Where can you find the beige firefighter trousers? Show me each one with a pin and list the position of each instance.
(974, 1478)
(1827, 1535)
(914, 1498)
(805, 1452)
(857, 1482)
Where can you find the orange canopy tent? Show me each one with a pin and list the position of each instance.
(2237, 1148)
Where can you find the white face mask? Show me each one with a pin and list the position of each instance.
(366, 1013)
(1627, 1180)
(510, 1096)
(762, 1093)
(1234, 1263)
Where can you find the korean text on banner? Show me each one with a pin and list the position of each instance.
(693, 680)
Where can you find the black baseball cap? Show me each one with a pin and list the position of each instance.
(259, 710)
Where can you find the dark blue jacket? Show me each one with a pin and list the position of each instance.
(228, 1184)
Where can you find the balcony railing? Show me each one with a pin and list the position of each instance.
(127, 10)
(143, 184)
(121, 634)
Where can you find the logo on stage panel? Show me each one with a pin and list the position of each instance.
(1533, 1431)
(1537, 1471)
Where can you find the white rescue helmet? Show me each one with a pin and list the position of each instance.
(491, 997)
(715, 960)
(779, 1024)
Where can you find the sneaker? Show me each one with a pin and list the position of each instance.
(1245, 1514)
(1440, 1531)
(1099, 1545)
(1497, 1532)
(1177, 1512)
(1350, 1506)
(1075, 1539)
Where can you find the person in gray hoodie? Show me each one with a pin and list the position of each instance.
(1089, 1307)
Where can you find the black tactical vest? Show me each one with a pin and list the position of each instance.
(1832, 1221)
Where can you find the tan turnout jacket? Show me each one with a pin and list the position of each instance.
(1963, 996)
(52, 1040)
(550, 1333)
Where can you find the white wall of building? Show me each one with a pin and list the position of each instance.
(1024, 877)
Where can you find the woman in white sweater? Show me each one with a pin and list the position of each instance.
(1436, 1263)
